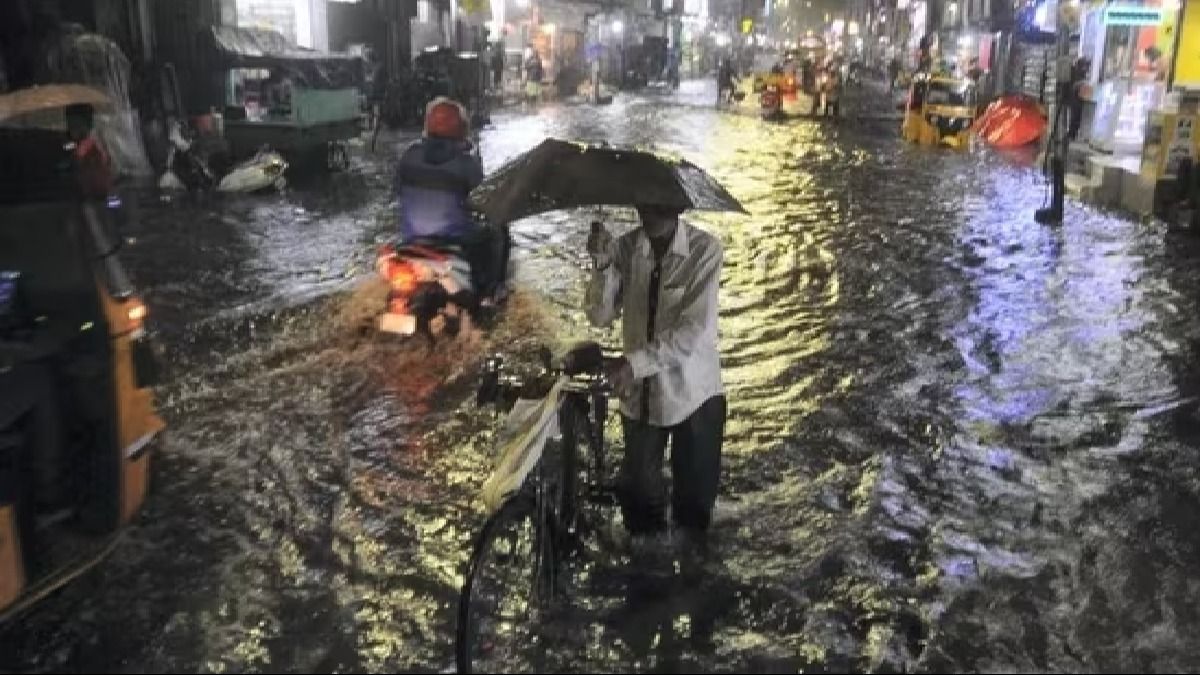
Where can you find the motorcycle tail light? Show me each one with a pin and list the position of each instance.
(402, 277)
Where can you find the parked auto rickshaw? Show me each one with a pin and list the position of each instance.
(939, 111)
(77, 417)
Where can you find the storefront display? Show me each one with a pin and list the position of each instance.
(1122, 107)
(1129, 48)
(1171, 138)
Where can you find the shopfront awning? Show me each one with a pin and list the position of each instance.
(261, 48)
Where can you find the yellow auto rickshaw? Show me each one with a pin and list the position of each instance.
(940, 111)
(77, 416)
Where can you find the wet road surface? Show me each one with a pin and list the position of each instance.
(957, 439)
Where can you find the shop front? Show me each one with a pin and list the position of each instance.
(1173, 131)
(1130, 48)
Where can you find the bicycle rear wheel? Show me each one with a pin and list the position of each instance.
(507, 588)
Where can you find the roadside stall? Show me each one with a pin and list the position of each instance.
(303, 103)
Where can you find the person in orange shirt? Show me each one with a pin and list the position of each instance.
(92, 160)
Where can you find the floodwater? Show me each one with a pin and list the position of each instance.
(957, 440)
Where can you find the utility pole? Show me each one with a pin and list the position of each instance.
(1059, 143)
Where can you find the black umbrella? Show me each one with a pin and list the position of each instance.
(561, 175)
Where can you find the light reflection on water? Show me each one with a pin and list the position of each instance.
(957, 440)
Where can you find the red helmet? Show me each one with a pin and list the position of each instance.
(445, 118)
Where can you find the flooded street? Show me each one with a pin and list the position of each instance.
(957, 440)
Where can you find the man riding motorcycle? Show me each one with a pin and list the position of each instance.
(433, 179)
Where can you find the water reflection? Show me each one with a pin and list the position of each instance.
(957, 440)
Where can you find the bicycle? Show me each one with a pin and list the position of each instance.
(525, 544)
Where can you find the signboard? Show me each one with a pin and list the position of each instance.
(472, 6)
(1045, 16)
(1187, 57)
(1181, 143)
(1132, 15)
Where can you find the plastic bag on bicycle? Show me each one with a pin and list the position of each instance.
(520, 444)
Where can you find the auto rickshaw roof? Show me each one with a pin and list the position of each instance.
(943, 79)
(958, 81)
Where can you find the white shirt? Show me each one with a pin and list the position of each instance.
(681, 361)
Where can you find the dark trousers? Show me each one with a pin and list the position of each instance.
(1075, 108)
(695, 470)
(487, 251)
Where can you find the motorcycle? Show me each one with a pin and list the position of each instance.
(186, 169)
(770, 101)
(430, 289)
(264, 170)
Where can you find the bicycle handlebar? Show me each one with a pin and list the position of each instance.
(584, 365)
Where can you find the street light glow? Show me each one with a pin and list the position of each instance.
(617, 26)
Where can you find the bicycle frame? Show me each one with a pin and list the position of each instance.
(546, 505)
(584, 402)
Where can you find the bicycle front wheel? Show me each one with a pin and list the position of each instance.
(506, 589)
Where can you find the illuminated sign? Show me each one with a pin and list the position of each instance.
(1187, 60)
(747, 26)
(1132, 15)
